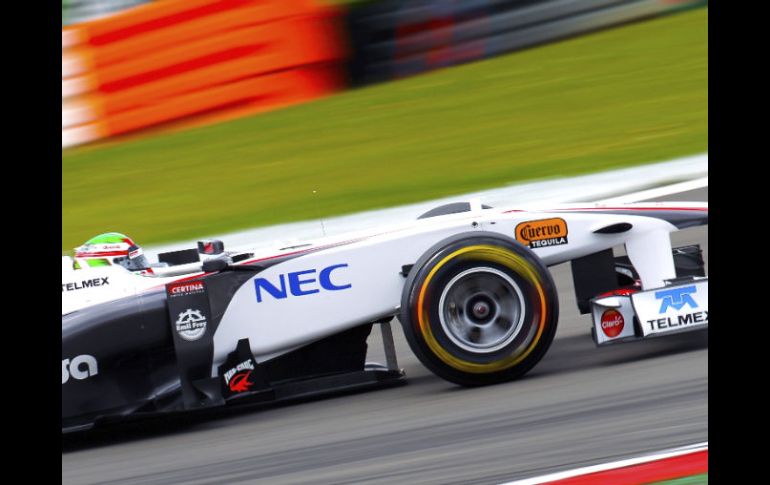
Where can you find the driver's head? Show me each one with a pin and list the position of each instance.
(108, 249)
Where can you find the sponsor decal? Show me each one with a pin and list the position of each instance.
(104, 247)
(185, 288)
(542, 233)
(686, 320)
(237, 378)
(240, 372)
(246, 364)
(672, 309)
(80, 285)
(240, 382)
(80, 367)
(676, 298)
(300, 283)
(191, 324)
(612, 323)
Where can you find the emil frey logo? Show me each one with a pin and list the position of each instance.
(191, 325)
(301, 283)
(676, 298)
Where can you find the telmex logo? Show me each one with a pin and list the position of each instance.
(542, 233)
(79, 285)
(676, 298)
(300, 283)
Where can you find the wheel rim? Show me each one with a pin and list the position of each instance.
(481, 310)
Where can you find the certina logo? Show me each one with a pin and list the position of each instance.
(301, 283)
(180, 289)
(676, 298)
(542, 233)
(80, 367)
(79, 285)
(612, 323)
(191, 324)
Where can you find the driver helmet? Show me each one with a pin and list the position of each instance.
(109, 249)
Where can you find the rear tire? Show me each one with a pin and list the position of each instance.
(479, 308)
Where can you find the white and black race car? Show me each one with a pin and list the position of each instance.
(470, 286)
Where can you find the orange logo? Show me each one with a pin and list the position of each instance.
(542, 233)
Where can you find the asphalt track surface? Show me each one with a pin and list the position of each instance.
(580, 406)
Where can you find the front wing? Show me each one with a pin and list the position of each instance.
(681, 306)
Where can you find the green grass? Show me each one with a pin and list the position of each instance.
(702, 479)
(630, 95)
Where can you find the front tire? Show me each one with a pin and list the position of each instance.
(479, 309)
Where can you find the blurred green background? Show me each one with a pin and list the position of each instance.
(629, 95)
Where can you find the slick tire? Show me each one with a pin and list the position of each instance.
(479, 308)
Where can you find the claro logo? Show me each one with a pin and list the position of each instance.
(612, 323)
(301, 283)
(80, 367)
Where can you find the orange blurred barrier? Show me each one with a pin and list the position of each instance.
(159, 15)
(252, 13)
(211, 59)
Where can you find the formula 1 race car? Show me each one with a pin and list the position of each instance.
(470, 286)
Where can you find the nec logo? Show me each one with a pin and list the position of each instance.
(300, 283)
(676, 298)
(80, 367)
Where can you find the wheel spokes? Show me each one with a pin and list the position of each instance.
(474, 334)
(481, 309)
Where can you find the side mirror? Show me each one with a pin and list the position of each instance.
(184, 256)
(212, 247)
(215, 265)
(223, 264)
